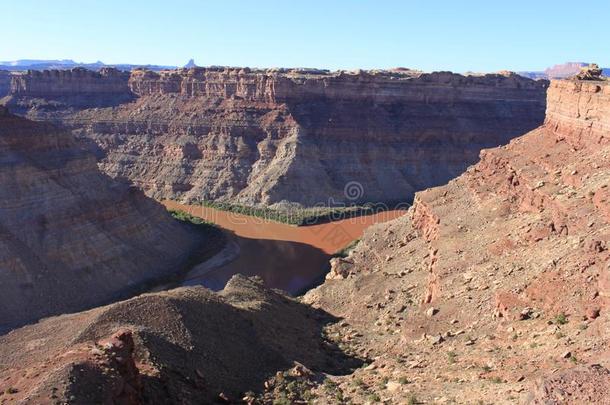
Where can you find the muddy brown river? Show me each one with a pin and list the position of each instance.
(287, 257)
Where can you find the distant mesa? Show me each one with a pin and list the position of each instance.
(561, 71)
(564, 70)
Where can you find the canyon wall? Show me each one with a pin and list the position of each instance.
(301, 135)
(71, 237)
(579, 111)
(309, 85)
(76, 88)
(77, 81)
(499, 277)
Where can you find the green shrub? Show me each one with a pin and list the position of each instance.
(186, 217)
(295, 216)
(374, 397)
(347, 250)
(561, 319)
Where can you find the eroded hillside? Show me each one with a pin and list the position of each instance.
(187, 345)
(496, 287)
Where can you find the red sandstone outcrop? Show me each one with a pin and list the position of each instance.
(71, 237)
(265, 136)
(77, 81)
(513, 258)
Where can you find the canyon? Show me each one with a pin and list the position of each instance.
(71, 237)
(283, 137)
(494, 288)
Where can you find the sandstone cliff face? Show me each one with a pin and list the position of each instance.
(264, 136)
(497, 279)
(61, 90)
(77, 81)
(70, 237)
(579, 112)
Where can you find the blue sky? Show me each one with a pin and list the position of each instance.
(429, 35)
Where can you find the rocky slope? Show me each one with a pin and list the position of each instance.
(496, 287)
(71, 237)
(264, 136)
(187, 345)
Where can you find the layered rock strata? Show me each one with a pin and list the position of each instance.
(78, 81)
(66, 90)
(266, 136)
(70, 236)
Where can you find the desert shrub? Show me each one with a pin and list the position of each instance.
(560, 319)
(186, 217)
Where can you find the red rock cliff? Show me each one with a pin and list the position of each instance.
(77, 81)
(504, 270)
(579, 111)
(300, 85)
(265, 136)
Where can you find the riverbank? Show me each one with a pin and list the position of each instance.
(286, 257)
(330, 237)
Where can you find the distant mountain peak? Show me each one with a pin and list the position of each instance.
(190, 64)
